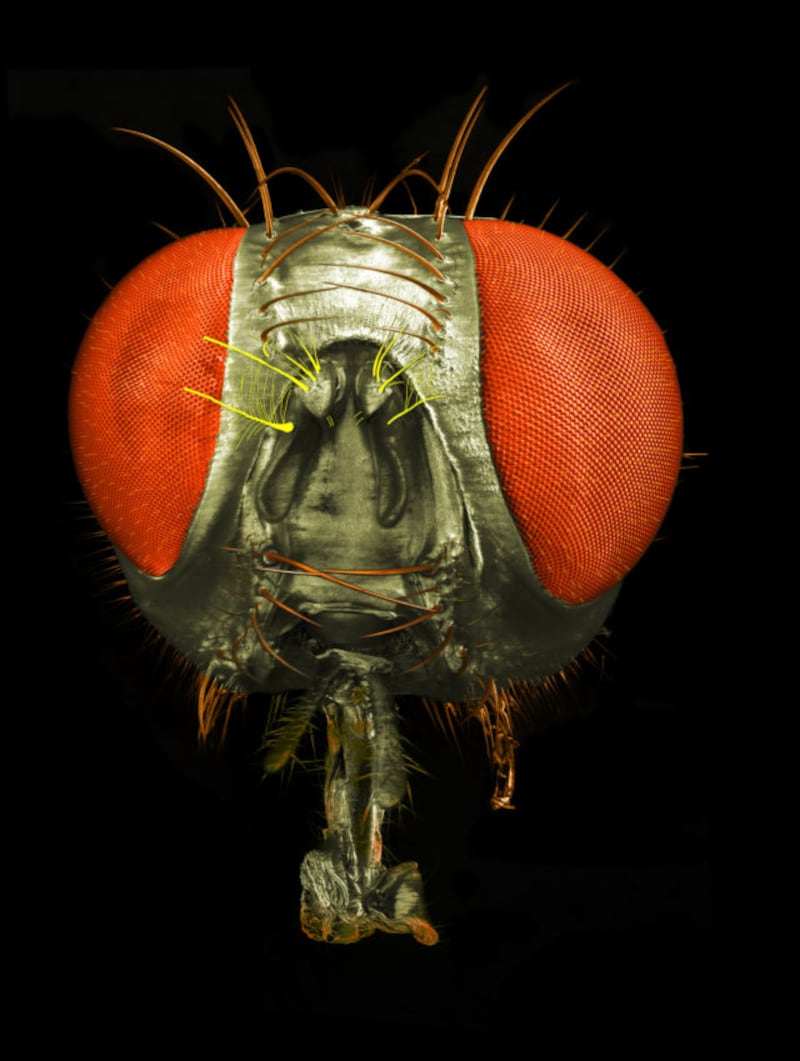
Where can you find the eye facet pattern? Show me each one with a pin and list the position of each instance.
(141, 446)
(581, 404)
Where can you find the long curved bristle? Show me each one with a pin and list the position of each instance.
(277, 558)
(324, 195)
(254, 617)
(453, 159)
(237, 214)
(252, 150)
(448, 637)
(472, 205)
(411, 170)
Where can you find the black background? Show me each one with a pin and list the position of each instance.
(161, 886)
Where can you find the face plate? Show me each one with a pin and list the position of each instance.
(358, 338)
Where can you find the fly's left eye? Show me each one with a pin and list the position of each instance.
(581, 404)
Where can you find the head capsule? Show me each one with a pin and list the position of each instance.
(446, 448)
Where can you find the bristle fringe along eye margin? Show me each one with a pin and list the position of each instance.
(141, 447)
(581, 403)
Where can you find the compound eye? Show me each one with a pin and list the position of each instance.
(141, 449)
(581, 404)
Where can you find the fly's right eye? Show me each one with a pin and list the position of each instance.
(141, 446)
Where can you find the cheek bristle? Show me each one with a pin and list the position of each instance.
(141, 445)
(581, 404)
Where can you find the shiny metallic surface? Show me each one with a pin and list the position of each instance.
(393, 483)
(352, 542)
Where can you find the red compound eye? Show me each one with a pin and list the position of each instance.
(141, 449)
(581, 404)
